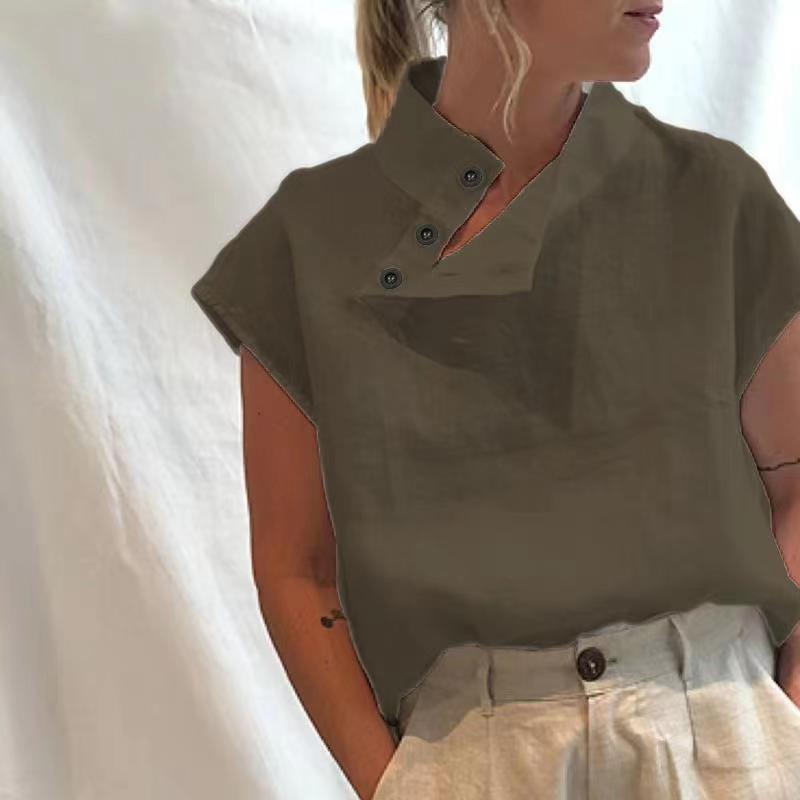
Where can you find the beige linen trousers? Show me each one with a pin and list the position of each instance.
(681, 707)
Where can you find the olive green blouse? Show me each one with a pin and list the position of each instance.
(539, 434)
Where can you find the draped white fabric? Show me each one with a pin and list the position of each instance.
(135, 138)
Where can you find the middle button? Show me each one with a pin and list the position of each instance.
(427, 234)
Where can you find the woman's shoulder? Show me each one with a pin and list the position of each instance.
(333, 177)
(709, 158)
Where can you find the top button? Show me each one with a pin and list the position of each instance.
(471, 177)
(591, 663)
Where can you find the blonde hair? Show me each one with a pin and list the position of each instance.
(391, 33)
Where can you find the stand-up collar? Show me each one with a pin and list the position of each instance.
(447, 171)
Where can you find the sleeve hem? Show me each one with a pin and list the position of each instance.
(767, 340)
(236, 336)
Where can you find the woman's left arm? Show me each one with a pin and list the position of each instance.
(770, 416)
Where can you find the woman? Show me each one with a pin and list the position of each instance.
(494, 365)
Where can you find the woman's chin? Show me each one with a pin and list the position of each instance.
(635, 65)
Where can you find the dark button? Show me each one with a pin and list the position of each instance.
(427, 234)
(591, 663)
(390, 277)
(471, 177)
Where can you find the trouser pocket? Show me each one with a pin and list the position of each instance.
(741, 717)
(389, 784)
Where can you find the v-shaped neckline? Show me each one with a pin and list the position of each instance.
(583, 100)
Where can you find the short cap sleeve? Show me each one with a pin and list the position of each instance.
(767, 270)
(249, 295)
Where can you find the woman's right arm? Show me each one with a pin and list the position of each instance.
(294, 567)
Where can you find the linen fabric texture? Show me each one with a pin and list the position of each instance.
(539, 433)
(687, 708)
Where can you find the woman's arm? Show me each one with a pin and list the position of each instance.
(294, 567)
(770, 416)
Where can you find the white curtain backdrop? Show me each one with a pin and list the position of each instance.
(136, 136)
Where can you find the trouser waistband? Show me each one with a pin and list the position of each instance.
(595, 662)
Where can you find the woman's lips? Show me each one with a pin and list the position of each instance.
(646, 21)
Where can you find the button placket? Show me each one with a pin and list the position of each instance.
(412, 268)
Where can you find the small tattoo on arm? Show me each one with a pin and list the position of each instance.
(335, 614)
(778, 466)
